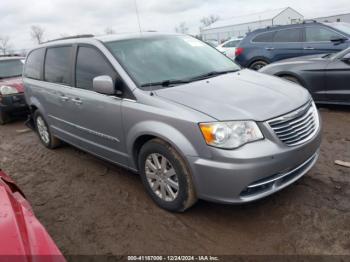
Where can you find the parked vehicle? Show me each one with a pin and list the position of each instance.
(12, 100)
(213, 43)
(327, 77)
(23, 237)
(228, 48)
(186, 118)
(265, 46)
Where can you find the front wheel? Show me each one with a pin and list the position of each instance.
(257, 65)
(292, 79)
(166, 177)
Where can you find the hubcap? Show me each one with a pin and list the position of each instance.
(162, 177)
(42, 129)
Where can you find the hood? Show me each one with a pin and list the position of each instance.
(22, 234)
(16, 82)
(245, 95)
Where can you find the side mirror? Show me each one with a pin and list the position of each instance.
(338, 41)
(346, 58)
(104, 85)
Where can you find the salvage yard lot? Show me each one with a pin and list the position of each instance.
(92, 207)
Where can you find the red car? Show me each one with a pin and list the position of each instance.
(22, 237)
(12, 100)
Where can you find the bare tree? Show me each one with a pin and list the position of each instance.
(37, 33)
(109, 31)
(182, 28)
(207, 21)
(4, 44)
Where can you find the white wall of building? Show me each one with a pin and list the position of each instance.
(287, 17)
(233, 31)
(334, 18)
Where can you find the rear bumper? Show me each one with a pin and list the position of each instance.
(13, 104)
(254, 171)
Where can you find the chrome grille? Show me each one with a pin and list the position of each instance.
(297, 127)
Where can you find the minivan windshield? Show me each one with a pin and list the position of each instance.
(344, 27)
(169, 60)
(10, 68)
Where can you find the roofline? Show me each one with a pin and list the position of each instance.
(320, 17)
(288, 7)
(285, 8)
(237, 24)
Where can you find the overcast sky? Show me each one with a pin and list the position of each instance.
(71, 17)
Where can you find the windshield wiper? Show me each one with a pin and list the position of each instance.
(211, 74)
(166, 83)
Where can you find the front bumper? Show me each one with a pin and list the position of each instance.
(13, 104)
(254, 171)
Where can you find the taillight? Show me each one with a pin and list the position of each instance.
(239, 51)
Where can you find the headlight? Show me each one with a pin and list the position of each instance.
(8, 90)
(230, 135)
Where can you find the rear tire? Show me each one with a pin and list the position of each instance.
(257, 65)
(166, 177)
(292, 79)
(44, 133)
(3, 118)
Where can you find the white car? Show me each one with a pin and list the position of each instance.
(229, 47)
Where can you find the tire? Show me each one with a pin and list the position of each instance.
(257, 65)
(44, 133)
(178, 181)
(292, 79)
(3, 118)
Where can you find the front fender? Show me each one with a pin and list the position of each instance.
(163, 131)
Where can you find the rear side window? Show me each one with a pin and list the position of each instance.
(265, 37)
(231, 44)
(90, 64)
(57, 65)
(320, 34)
(34, 64)
(288, 35)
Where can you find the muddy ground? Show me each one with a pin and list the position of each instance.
(92, 207)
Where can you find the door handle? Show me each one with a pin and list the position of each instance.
(309, 48)
(77, 101)
(269, 48)
(64, 98)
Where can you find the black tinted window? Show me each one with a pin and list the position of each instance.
(91, 63)
(34, 63)
(288, 35)
(320, 34)
(265, 37)
(57, 65)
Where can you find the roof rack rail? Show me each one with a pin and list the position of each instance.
(70, 37)
(10, 55)
(307, 21)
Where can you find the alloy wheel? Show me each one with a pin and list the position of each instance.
(162, 177)
(42, 130)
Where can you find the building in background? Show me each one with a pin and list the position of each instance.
(241, 25)
(334, 18)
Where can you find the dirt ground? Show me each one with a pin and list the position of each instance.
(92, 207)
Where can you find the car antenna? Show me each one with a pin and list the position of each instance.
(140, 29)
(138, 15)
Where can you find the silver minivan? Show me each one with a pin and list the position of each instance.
(191, 122)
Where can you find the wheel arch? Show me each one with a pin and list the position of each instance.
(292, 74)
(137, 138)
